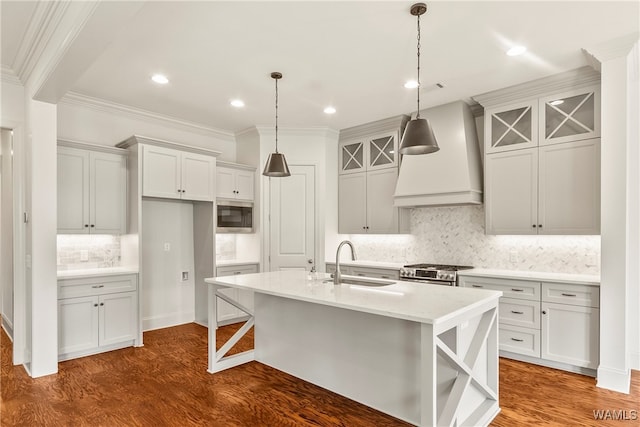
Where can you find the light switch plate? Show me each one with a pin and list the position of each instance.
(185, 276)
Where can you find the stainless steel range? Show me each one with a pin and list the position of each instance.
(436, 274)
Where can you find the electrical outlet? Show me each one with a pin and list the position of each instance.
(592, 259)
(84, 255)
(185, 276)
(167, 247)
(513, 256)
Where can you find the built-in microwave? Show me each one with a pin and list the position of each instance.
(234, 217)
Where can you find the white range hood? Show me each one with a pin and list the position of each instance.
(450, 176)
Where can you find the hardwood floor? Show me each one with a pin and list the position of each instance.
(165, 383)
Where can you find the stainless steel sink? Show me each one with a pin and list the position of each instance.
(363, 281)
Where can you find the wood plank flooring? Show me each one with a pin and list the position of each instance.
(165, 383)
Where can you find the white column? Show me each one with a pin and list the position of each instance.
(613, 57)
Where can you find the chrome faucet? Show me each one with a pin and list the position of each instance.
(337, 275)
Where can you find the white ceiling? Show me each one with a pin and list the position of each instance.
(353, 55)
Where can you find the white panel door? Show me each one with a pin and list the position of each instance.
(352, 203)
(118, 318)
(73, 191)
(569, 188)
(382, 216)
(77, 324)
(511, 189)
(161, 172)
(198, 177)
(107, 197)
(292, 213)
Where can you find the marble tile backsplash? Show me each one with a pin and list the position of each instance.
(85, 251)
(455, 235)
(225, 247)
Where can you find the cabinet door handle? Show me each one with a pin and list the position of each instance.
(517, 339)
(517, 312)
(517, 290)
(97, 286)
(568, 295)
(101, 303)
(237, 272)
(360, 274)
(385, 277)
(477, 286)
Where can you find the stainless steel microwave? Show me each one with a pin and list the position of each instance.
(234, 217)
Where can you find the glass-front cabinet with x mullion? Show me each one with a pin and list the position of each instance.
(377, 152)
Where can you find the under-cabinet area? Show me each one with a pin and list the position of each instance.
(97, 313)
(547, 322)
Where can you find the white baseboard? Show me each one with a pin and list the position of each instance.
(634, 363)
(167, 320)
(7, 325)
(614, 379)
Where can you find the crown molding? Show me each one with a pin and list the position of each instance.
(90, 146)
(321, 131)
(7, 75)
(46, 17)
(579, 77)
(384, 125)
(134, 140)
(97, 104)
(611, 49)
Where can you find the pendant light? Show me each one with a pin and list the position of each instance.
(418, 136)
(276, 165)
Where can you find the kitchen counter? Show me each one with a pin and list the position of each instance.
(96, 272)
(583, 279)
(400, 349)
(233, 262)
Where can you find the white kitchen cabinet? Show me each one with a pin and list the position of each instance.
(553, 189)
(234, 181)
(176, 174)
(511, 127)
(368, 160)
(226, 312)
(92, 189)
(93, 316)
(549, 323)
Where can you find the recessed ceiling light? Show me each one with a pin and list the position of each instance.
(160, 79)
(556, 102)
(411, 84)
(238, 103)
(516, 50)
(329, 110)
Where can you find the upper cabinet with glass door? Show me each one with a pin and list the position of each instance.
(371, 153)
(511, 127)
(570, 116)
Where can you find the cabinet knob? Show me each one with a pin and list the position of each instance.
(539, 225)
(364, 228)
(544, 311)
(86, 225)
(95, 305)
(534, 226)
(93, 225)
(101, 303)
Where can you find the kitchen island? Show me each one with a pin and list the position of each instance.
(426, 354)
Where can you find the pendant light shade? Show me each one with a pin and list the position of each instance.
(418, 138)
(418, 135)
(276, 165)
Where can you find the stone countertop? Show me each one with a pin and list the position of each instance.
(582, 279)
(96, 272)
(403, 300)
(373, 264)
(227, 262)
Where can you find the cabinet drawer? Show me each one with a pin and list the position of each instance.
(517, 312)
(379, 273)
(519, 340)
(232, 270)
(563, 293)
(71, 288)
(521, 289)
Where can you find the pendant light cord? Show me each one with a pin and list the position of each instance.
(418, 113)
(276, 115)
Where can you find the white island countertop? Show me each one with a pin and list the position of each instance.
(412, 301)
